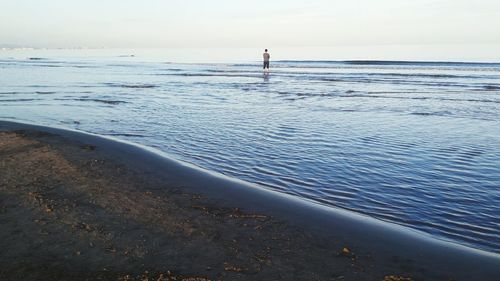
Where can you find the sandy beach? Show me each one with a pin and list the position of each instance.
(75, 206)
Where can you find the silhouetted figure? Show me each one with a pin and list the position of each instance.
(266, 56)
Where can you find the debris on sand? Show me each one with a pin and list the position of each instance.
(396, 278)
(346, 251)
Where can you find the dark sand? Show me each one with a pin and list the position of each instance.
(78, 207)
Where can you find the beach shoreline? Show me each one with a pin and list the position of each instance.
(83, 207)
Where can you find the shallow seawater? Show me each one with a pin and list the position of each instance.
(417, 144)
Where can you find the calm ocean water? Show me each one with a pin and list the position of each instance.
(417, 144)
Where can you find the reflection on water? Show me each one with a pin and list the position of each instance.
(417, 144)
(266, 76)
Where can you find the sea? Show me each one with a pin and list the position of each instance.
(408, 142)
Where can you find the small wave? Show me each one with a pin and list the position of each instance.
(468, 100)
(332, 80)
(173, 69)
(74, 122)
(82, 66)
(421, 113)
(311, 64)
(104, 101)
(47, 65)
(354, 94)
(125, 135)
(113, 102)
(492, 87)
(17, 100)
(37, 58)
(423, 75)
(245, 64)
(237, 71)
(437, 113)
(249, 75)
(131, 86)
(382, 62)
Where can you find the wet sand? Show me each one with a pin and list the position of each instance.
(75, 206)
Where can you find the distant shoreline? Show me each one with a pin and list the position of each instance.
(345, 54)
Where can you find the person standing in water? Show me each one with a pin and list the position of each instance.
(266, 56)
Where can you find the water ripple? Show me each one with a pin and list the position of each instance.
(416, 144)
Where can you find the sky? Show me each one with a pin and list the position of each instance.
(255, 23)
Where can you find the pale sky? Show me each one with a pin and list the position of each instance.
(249, 23)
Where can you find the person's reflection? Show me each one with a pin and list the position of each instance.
(266, 77)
